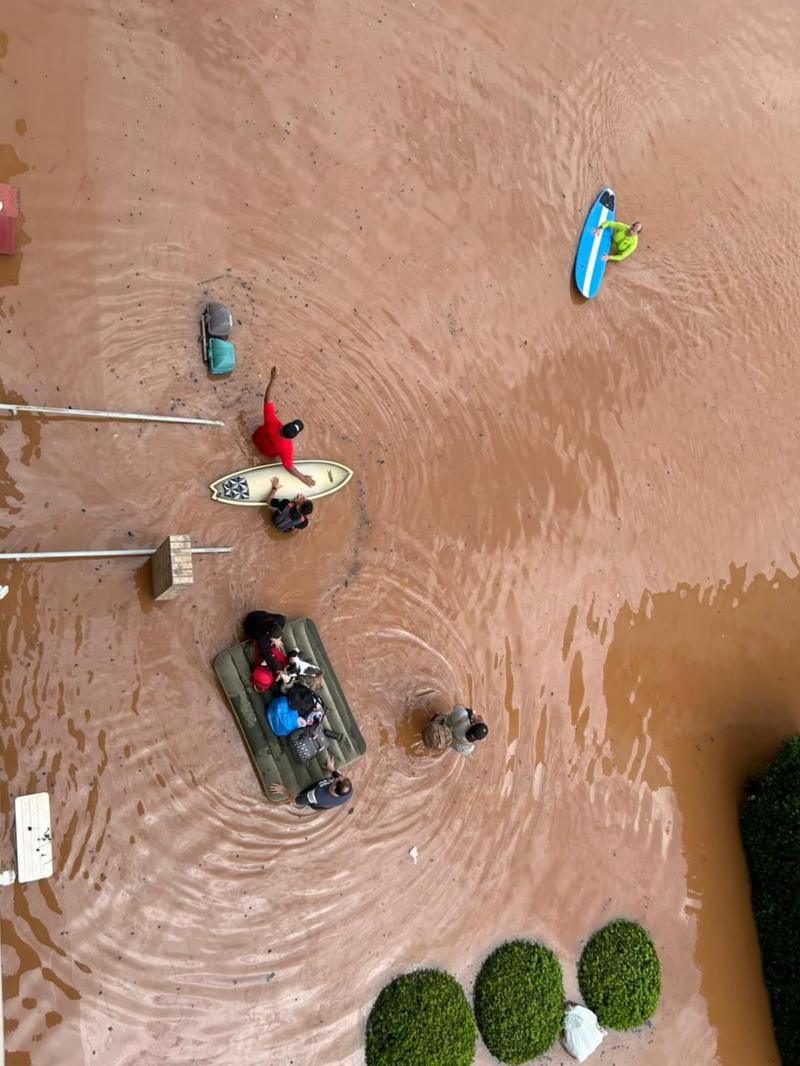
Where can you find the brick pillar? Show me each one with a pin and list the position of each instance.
(171, 566)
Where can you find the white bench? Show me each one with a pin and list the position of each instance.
(34, 855)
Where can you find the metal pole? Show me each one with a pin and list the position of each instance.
(25, 556)
(75, 412)
(2, 1030)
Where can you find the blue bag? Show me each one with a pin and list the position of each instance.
(221, 356)
(282, 718)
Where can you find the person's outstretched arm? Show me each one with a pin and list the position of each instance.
(305, 478)
(615, 226)
(268, 392)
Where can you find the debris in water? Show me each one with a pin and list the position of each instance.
(414, 854)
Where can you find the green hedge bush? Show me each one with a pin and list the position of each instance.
(519, 999)
(620, 976)
(770, 825)
(421, 1019)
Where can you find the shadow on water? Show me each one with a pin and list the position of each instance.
(712, 676)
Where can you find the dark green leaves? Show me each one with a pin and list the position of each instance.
(421, 1019)
(770, 824)
(519, 999)
(620, 975)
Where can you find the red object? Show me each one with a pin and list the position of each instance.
(261, 676)
(9, 213)
(268, 439)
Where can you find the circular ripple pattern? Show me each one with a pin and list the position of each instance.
(388, 198)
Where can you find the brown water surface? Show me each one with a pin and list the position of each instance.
(578, 517)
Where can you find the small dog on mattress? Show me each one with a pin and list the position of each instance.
(298, 669)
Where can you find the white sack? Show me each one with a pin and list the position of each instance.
(582, 1034)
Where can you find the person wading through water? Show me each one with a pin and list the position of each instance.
(288, 515)
(459, 730)
(624, 239)
(274, 439)
(331, 791)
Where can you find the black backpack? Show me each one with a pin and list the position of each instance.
(303, 700)
(307, 742)
(287, 519)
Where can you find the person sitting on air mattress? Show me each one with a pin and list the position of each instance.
(283, 719)
(297, 708)
(265, 629)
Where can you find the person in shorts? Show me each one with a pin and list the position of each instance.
(274, 438)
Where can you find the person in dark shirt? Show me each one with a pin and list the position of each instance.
(265, 629)
(331, 791)
(274, 439)
(288, 515)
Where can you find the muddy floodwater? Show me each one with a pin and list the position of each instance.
(580, 518)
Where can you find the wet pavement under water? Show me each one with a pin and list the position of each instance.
(580, 518)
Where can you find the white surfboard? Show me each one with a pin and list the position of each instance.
(249, 488)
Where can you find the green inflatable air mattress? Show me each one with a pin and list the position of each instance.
(270, 754)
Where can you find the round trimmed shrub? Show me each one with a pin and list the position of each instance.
(421, 1019)
(519, 1001)
(620, 975)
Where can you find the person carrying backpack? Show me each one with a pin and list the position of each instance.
(294, 710)
(288, 515)
(282, 718)
(459, 730)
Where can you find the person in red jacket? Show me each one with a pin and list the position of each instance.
(274, 439)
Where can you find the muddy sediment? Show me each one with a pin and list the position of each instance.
(577, 517)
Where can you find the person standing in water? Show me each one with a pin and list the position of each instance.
(459, 730)
(288, 515)
(624, 239)
(331, 791)
(274, 439)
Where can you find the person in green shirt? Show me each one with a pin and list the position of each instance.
(624, 239)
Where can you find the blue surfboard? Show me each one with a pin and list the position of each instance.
(589, 263)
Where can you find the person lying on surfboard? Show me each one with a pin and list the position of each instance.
(624, 239)
(274, 439)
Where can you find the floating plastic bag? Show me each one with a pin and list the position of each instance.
(582, 1034)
